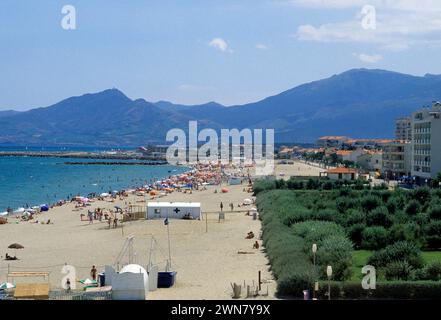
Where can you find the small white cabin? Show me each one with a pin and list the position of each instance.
(173, 210)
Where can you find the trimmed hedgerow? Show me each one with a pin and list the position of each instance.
(384, 290)
(338, 217)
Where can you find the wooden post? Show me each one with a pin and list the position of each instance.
(260, 281)
(206, 222)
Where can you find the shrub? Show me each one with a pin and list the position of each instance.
(335, 251)
(374, 238)
(379, 217)
(412, 208)
(433, 235)
(431, 271)
(343, 204)
(384, 290)
(316, 231)
(369, 203)
(392, 205)
(398, 270)
(435, 212)
(355, 234)
(405, 232)
(263, 185)
(422, 195)
(354, 217)
(398, 252)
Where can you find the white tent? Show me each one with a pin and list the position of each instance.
(176, 210)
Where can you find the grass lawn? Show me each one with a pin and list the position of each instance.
(360, 257)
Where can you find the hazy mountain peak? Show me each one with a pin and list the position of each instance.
(362, 103)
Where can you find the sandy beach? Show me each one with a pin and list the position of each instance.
(205, 255)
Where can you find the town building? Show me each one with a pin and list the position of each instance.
(342, 173)
(349, 155)
(397, 159)
(403, 129)
(371, 160)
(426, 142)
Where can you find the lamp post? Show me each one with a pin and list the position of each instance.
(314, 250)
(329, 274)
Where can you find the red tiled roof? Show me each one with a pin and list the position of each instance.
(342, 170)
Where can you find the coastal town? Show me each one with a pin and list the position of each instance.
(413, 157)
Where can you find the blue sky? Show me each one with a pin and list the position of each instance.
(195, 51)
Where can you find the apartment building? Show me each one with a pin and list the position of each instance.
(397, 159)
(426, 142)
(403, 129)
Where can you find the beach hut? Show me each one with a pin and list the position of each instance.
(174, 210)
(131, 283)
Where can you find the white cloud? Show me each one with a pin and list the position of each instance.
(367, 58)
(400, 24)
(220, 44)
(261, 46)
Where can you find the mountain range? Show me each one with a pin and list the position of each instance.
(361, 103)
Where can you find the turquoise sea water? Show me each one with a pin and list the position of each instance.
(34, 181)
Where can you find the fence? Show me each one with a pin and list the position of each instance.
(79, 295)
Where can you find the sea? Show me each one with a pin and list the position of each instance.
(32, 181)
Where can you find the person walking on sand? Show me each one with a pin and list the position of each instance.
(221, 206)
(90, 214)
(93, 272)
(231, 206)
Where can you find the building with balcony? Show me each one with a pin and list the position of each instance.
(397, 159)
(426, 142)
(403, 129)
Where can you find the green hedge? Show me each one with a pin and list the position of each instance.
(384, 290)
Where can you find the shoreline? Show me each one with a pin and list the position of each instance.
(14, 212)
(126, 155)
(208, 255)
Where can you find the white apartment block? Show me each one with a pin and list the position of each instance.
(426, 142)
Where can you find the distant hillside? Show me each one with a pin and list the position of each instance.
(7, 113)
(358, 103)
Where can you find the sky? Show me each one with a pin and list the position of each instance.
(196, 51)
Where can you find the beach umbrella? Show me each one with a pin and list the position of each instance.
(6, 286)
(15, 246)
(44, 207)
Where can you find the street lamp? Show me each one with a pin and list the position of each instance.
(329, 274)
(314, 250)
